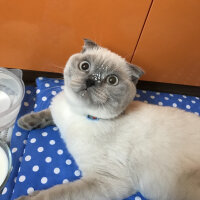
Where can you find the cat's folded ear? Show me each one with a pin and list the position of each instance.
(89, 44)
(135, 72)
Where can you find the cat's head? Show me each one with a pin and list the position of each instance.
(99, 82)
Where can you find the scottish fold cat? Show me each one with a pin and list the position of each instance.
(121, 146)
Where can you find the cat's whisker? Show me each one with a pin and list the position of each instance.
(100, 96)
(58, 66)
(55, 87)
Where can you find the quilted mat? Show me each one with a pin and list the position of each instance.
(40, 157)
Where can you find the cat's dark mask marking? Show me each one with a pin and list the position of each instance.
(100, 98)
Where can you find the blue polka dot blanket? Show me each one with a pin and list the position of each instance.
(40, 157)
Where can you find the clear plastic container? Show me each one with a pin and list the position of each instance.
(11, 96)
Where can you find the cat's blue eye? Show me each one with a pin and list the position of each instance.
(112, 80)
(84, 66)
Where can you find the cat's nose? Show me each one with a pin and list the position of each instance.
(90, 83)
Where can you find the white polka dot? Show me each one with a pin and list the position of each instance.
(35, 168)
(188, 106)
(56, 170)
(180, 100)
(33, 140)
(19, 169)
(138, 198)
(184, 96)
(52, 142)
(65, 181)
(44, 180)
(137, 95)
(174, 105)
(44, 134)
(47, 85)
(56, 81)
(166, 98)
(35, 106)
(160, 103)
(14, 150)
(25, 141)
(4, 191)
(40, 149)
(77, 173)
(40, 78)
(37, 91)
(144, 91)
(196, 113)
(28, 158)
(197, 98)
(158, 93)
(34, 99)
(53, 92)
(22, 178)
(44, 98)
(193, 101)
(145, 101)
(60, 152)
(152, 97)
(48, 159)
(28, 92)
(18, 133)
(20, 159)
(15, 179)
(68, 162)
(30, 190)
(171, 95)
(55, 128)
(62, 87)
(26, 104)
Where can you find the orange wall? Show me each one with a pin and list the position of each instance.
(169, 47)
(42, 34)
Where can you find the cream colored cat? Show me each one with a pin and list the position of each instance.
(131, 146)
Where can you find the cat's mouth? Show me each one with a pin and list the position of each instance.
(86, 92)
(94, 95)
(83, 92)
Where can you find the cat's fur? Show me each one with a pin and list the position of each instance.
(147, 148)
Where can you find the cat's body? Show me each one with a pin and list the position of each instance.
(150, 148)
(147, 148)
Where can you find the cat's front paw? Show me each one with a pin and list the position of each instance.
(29, 121)
(36, 120)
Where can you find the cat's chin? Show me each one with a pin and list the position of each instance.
(88, 96)
(81, 105)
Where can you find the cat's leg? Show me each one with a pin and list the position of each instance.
(86, 189)
(35, 120)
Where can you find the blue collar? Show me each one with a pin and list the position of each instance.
(92, 118)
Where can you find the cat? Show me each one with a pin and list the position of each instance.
(129, 145)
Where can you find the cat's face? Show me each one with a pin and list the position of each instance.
(100, 80)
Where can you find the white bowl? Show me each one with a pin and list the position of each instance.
(5, 163)
(11, 96)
